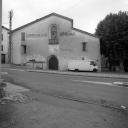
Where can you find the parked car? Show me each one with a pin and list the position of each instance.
(82, 65)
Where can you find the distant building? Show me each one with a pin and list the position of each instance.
(4, 45)
(53, 40)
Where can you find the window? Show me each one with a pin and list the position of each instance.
(93, 63)
(22, 36)
(24, 49)
(53, 34)
(2, 48)
(84, 44)
(2, 37)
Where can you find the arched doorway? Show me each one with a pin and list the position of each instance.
(53, 63)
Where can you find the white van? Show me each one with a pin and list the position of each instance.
(82, 65)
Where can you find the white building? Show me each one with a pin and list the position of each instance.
(4, 45)
(53, 40)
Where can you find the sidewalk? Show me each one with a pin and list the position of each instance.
(88, 74)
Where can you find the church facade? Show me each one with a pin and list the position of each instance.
(54, 41)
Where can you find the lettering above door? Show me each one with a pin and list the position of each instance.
(35, 35)
(67, 34)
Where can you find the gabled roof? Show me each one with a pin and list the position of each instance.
(58, 15)
(5, 28)
(42, 18)
(84, 32)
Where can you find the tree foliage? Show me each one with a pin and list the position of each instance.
(113, 33)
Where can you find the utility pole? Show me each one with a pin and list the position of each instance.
(0, 35)
(10, 37)
(1, 80)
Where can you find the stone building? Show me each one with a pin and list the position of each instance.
(54, 41)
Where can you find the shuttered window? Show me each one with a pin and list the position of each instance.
(2, 47)
(84, 46)
(2, 37)
(24, 49)
(22, 36)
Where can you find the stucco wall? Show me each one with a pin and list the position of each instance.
(37, 45)
(5, 43)
(69, 47)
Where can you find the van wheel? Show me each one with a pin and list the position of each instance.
(94, 70)
(76, 70)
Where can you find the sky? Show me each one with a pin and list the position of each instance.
(85, 13)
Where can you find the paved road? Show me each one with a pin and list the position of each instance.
(89, 89)
(65, 101)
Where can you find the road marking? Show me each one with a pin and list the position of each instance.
(4, 73)
(93, 82)
(15, 69)
(97, 82)
(123, 107)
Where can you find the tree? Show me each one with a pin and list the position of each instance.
(113, 33)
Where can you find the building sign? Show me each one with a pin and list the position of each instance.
(66, 49)
(35, 35)
(67, 34)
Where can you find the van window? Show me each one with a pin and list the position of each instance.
(93, 63)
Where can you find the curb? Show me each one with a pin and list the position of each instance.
(87, 74)
(124, 84)
(82, 74)
(4, 73)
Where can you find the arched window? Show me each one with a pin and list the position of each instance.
(53, 34)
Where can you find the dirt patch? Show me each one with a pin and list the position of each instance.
(14, 93)
(45, 111)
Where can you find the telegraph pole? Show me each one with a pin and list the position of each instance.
(10, 37)
(2, 94)
(0, 35)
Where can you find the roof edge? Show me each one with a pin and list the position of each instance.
(84, 32)
(5, 28)
(52, 14)
(42, 18)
